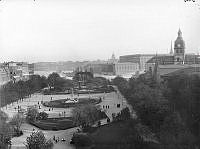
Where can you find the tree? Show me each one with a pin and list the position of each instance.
(11, 92)
(16, 122)
(37, 140)
(52, 78)
(58, 83)
(85, 116)
(122, 85)
(5, 131)
(184, 98)
(32, 114)
(62, 84)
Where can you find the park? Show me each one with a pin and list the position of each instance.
(55, 112)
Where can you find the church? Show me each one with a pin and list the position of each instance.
(176, 61)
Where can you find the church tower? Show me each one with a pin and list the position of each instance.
(179, 49)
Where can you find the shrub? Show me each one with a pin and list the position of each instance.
(42, 116)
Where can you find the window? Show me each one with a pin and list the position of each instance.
(150, 68)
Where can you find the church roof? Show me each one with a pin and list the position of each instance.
(162, 59)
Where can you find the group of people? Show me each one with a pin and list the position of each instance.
(57, 139)
(62, 114)
(106, 106)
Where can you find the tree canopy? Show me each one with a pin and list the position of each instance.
(169, 109)
(86, 115)
(37, 140)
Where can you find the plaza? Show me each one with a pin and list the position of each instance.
(110, 104)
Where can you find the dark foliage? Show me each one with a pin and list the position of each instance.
(12, 92)
(169, 109)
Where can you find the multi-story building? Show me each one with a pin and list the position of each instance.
(31, 68)
(17, 70)
(4, 76)
(140, 59)
(126, 68)
(101, 68)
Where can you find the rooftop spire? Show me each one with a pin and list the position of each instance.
(179, 33)
(171, 50)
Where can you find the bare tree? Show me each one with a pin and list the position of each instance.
(16, 122)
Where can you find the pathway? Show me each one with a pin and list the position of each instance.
(114, 102)
(110, 104)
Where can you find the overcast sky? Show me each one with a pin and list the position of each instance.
(62, 30)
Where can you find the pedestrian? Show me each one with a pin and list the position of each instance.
(54, 137)
(108, 120)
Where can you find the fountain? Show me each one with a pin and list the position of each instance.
(72, 99)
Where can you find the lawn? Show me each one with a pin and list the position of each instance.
(61, 102)
(54, 123)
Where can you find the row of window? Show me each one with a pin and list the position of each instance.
(179, 51)
(121, 68)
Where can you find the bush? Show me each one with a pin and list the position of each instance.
(42, 116)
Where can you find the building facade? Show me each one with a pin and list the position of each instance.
(16, 70)
(173, 62)
(140, 59)
(4, 76)
(126, 68)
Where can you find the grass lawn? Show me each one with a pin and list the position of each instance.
(54, 124)
(61, 103)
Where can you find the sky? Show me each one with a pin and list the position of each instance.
(77, 30)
